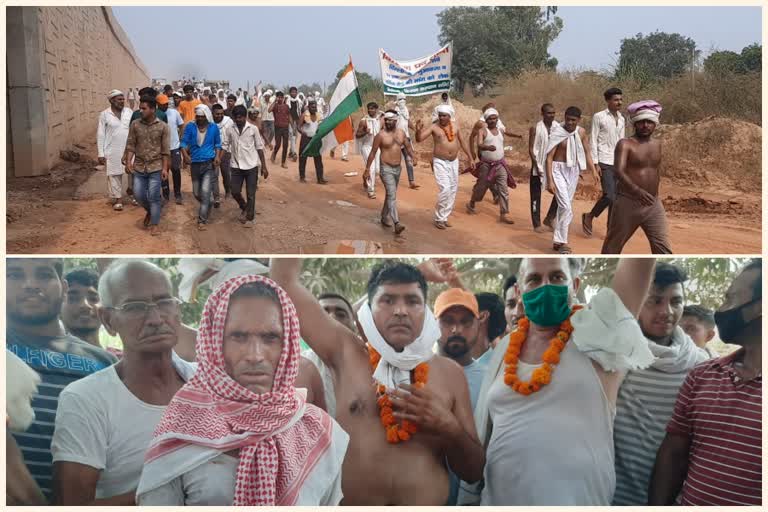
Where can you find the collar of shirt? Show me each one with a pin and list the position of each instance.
(155, 120)
(727, 364)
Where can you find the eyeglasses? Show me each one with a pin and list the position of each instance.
(140, 309)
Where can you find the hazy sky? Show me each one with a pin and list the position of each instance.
(310, 44)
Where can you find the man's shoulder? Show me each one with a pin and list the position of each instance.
(93, 385)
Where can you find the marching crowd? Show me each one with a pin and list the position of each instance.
(528, 397)
(227, 135)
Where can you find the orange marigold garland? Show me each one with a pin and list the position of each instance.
(543, 375)
(449, 133)
(403, 431)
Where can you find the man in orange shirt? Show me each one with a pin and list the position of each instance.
(187, 106)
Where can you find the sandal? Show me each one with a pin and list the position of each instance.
(118, 207)
(471, 209)
(564, 249)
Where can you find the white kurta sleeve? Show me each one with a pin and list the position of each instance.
(101, 136)
(593, 136)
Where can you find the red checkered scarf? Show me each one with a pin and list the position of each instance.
(214, 411)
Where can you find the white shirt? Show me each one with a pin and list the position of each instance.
(244, 146)
(111, 137)
(101, 424)
(174, 121)
(374, 127)
(607, 131)
(266, 115)
(213, 482)
(309, 128)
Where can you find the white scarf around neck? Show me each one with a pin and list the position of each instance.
(681, 355)
(575, 154)
(394, 367)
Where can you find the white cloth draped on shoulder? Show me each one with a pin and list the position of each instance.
(574, 153)
(394, 367)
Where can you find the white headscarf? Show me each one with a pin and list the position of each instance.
(444, 109)
(115, 92)
(192, 269)
(490, 112)
(205, 111)
(394, 367)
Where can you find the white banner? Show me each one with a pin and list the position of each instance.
(428, 75)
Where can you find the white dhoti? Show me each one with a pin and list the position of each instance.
(565, 180)
(447, 178)
(365, 151)
(115, 185)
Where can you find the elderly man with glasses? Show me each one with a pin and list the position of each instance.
(105, 421)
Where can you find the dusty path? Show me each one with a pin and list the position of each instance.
(68, 213)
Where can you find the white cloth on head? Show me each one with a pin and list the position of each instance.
(490, 112)
(400, 96)
(447, 178)
(203, 110)
(540, 143)
(403, 116)
(115, 92)
(192, 269)
(443, 108)
(390, 115)
(646, 114)
(574, 153)
(394, 367)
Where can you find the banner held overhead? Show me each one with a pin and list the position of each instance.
(419, 77)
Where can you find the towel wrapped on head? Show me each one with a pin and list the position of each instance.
(644, 110)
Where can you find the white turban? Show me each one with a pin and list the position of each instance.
(269, 92)
(444, 109)
(115, 92)
(401, 96)
(490, 112)
(644, 114)
(203, 110)
(390, 115)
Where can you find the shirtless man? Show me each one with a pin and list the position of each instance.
(395, 317)
(390, 141)
(492, 170)
(445, 161)
(568, 154)
(638, 204)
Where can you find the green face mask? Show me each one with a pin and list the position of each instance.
(547, 305)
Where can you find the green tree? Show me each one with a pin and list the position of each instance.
(659, 55)
(493, 43)
(752, 57)
(724, 62)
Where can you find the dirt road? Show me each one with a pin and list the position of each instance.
(67, 213)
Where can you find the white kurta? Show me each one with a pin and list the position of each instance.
(111, 137)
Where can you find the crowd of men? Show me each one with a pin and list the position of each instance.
(220, 134)
(525, 398)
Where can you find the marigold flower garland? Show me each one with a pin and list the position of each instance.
(449, 133)
(403, 431)
(543, 375)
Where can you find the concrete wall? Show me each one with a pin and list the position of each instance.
(62, 61)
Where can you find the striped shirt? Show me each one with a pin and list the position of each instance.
(59, 361)
(722, 416)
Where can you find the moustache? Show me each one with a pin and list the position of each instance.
(461, 339)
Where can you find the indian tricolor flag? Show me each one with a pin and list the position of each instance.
(336, 129)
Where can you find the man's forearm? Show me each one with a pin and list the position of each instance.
(465, 457)
(668, 474)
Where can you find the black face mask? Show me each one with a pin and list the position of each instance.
(731, 322)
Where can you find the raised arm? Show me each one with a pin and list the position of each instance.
(325, 336)
(632, 281)
(362, 129)
(422, 132)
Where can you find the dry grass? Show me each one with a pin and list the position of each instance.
(684, 100)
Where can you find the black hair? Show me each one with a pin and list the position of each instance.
(167, 87)
(279, 93)
(667, 274)
(239, 110)
(232, 97)
(339, 297)
(372, 104)
(211, 96)
(256, 289)
(149, 101)
(444, 95)
(217, 107)
(492, 303)
(189, 87)
(546, 105)
(147, 91)
(509, 282)
(573, 112)
(610, 93)
(292, 88)
(394, 272)
(700, 313)
(757, 286)
(83, 277)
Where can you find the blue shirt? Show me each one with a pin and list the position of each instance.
(211, 142)
(59, 360)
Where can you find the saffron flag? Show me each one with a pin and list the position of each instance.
(336, 129)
